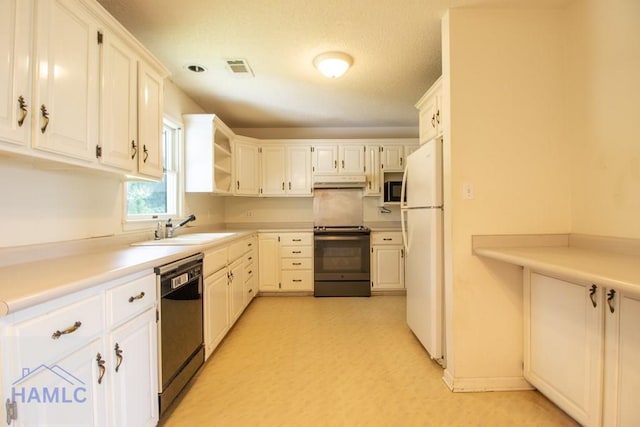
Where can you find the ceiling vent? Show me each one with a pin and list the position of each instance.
(239, 67)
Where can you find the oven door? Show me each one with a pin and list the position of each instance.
(341, 257)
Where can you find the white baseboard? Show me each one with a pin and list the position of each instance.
(485, 384)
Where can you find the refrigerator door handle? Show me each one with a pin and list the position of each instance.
(403, 188)
(405, 237)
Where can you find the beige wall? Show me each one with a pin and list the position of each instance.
(507, 138)
(604, 116)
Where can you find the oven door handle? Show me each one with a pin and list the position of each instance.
(337, 238)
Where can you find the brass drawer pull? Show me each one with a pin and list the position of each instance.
(139, 296)
(23, 110)
(69, 330)
(119, 356)
(101, 368)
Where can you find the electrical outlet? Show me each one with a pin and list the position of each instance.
(248, 213)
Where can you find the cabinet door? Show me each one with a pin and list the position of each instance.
(150, 90)
(622, 346)
(372, 170)
(216, 309)
(352, 159)
(15, 85)
(66, 79)
(393, 158)
(325, 159)
(564, 344)
(73, 394)
(388, 267)
(299, 171)
(133, 371)
(236, 290)
(273, 160)
(118, 98)
(246, 169)
(268, 261)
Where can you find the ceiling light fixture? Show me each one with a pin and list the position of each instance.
(196, 68)
(333, 64)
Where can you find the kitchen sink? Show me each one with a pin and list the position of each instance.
(185, 239)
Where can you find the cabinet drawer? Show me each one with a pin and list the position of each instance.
(386, 238)
(296, 264)
(295, 252)
(297, 280)
(214, 260)
(53, 334)
(236, 249)
(131, 298)
(296, 239)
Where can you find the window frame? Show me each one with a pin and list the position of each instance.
(171, 164)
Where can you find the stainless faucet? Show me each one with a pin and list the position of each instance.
(170, 229)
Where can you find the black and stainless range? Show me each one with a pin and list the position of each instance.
(341, 261)
(180, 326)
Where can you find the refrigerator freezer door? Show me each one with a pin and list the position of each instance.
(423, 277)
(422, 182)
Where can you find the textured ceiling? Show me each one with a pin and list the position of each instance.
(395, 46)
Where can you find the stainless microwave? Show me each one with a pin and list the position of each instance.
(392, 191)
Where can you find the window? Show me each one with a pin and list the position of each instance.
(153, 200)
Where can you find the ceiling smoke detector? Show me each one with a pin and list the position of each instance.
(239, 67)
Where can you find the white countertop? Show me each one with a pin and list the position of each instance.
(620, 271)
(27, 284)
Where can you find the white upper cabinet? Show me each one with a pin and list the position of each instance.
(325, 160)
(372, 170)
(247, 167)
(286, 170)
(273, 160)
(208, 154)
(119, 113)
(66, 76)
(352, 159)
(150, 90)
(431, 113)
(15, 85)
(392, 158)
(299, 170)
(77, 88)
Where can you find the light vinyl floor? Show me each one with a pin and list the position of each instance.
(304, 361)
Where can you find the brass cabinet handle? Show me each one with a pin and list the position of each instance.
(237, 185)
(71, 329)
(139, 296)
(592, 293)
(23, 110)
(438, 116)
(45, 116)
(146, 153)
(335, 164)
(289, 185)
(296, 263)
(134, 149)
(433, 120)
(296, 252)
(297, 280)
(119, 356)
(343, 164)
(101, 369)
(610, 296)
(282, 185)
(296, 240)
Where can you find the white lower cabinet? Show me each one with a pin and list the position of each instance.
(227, 290)
(387, 261)
(581, 346)
(286, 261)
(88, 358)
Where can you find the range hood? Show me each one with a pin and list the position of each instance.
(339, 181)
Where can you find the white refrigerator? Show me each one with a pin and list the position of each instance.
(421, 214)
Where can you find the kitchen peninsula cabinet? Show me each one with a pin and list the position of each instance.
(285, 261)
(96, 349)
(581, 347)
